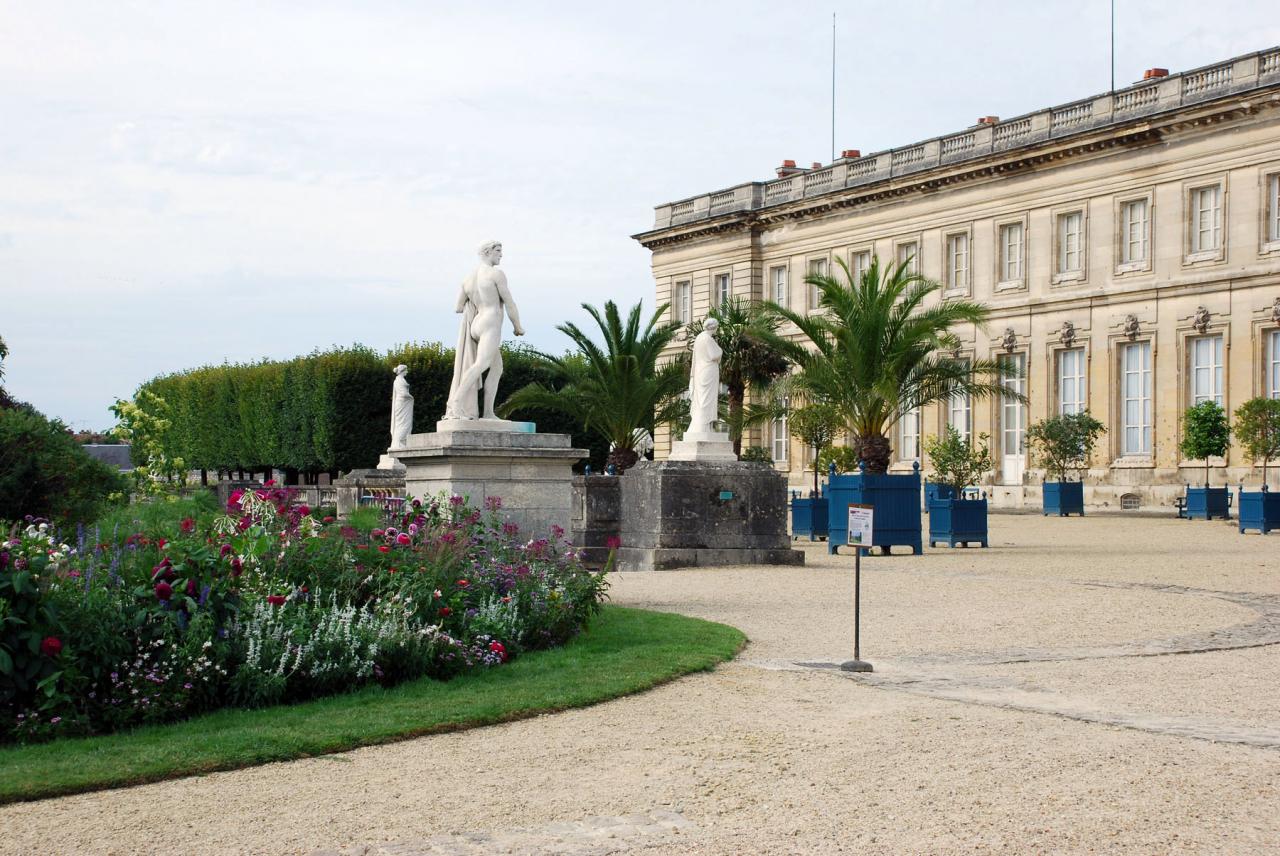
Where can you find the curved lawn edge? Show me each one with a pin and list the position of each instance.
(623, 651)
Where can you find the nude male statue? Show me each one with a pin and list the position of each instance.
(481, 302)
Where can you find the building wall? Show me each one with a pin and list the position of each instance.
(1168, 295)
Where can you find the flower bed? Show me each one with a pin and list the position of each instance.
(268, 604)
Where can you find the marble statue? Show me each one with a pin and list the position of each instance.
(478, 360)
(704, 380)
(401, 408)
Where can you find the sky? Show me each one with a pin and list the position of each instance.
(187, 184)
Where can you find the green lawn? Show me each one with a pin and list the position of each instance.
(624, 651)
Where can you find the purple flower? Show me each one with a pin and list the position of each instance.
(456, 500)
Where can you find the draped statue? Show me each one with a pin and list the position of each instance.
(477, 362)
(704, 380)
(401, 408)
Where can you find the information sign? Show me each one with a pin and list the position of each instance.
(859, 525)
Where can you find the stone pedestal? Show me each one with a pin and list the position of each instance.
(679, 514)
(702, 446)
(531, 473)
(384, 486)
(597, 516)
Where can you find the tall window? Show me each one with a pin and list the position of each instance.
(779, 275)
(1071, 381)
(1273, 364)
(1206, 219)
(1012, 246)
(1273, 207)
(859, 263)
(1135, 226)
(817, 267)
(909, 436)
(958, 261)
(684, 302)
(1206, 369)
(1071, 242)
(1013, 418)
(781, 439)
(1135, 404)
(959, 411)
(722, 288)
(909, 253)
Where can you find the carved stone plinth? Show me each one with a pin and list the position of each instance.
(597, 516)
(531, 473)
(702, 446)
(679, 514)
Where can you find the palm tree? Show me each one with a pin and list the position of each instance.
(876, 352)
(615, 387)
(750, 362)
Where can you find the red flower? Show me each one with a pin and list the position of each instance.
(328, 518)
(226, 549)
(403, 540)
(362, 546)
(236, 566)
(164, 591)
(51, 646)
(463, 583)
(304, 510)
(160, 542)
(445, 612)
(187, 524)
(377, 533)
(191, 588)
(276, 599)
(268, 482)
(613, 542)
(383, 548)
(499, 649)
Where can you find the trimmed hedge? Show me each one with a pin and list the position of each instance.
(325, 412)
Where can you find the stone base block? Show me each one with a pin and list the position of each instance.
(531, 473)
(700, 513)
(672, 558)
(705, 446)
(597, 507)
(390, 465)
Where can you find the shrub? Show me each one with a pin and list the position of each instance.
(958, 462)
(1063, 444)
(756, 453)
(844, 457)
(1205, 433)
(44, 472)
(1258, 430)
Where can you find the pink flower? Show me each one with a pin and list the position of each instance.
(556, 531)
(51, 646)
(164, 591)
(237, 566)
(276, 599)
(269, 483)
(377, 533)
(383, 548)
(613, 542)
(328, 518)
(225, 551)
(304, 510)
(499, 649)
(187, 525)
(456, 500)
(403, 540)
(463, 583)
(493, 503)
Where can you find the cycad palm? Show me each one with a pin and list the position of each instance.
(616, 386)
(877, 353)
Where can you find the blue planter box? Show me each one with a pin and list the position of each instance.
(1207, 503)
(1259, 510)
(896, 499)
(957, 521)
(808, 517)
(1063, 498)
(937, 491)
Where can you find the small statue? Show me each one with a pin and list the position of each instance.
(481, 302)
(401, 408)
(704, 380)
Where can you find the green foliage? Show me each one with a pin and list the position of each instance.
(1258, 430)
(748, 362)
(845, 458)
(44, 472)
(1062, 444)
(1205, 433)
(958, 462)
(816, 425)
(877, 353)
(758, 454)
(612, 387)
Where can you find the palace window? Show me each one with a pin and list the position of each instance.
(909, 436)
(1135, 403)
(1273, 364)
(779, 276)
(860, 262)
(1273, 207)
(1135, 231)
(1071, 242)
(1012, 251)
(1206, 219)
(781, 439)
(1206, 369)
(1071, 397)
(958, 261)
(684, 302)
(722, 288)
(817, 267)
(909, 252)
(959, 411)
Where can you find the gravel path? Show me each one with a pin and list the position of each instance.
(1024, 701)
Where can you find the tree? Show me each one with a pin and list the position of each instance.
(815, 425)
(1064, 443)
(958, 462)
(749, 363)
(614, 387)
(877, 353)
(1258, 430)
(45, 472)
(1205, 433)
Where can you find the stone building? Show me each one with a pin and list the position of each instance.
(1128, 245)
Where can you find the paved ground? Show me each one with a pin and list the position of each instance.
(1099, 685)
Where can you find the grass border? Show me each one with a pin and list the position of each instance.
(624, 651)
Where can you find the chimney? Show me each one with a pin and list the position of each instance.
(817, 165)
(851, 154)
(1155, 73)
(789, 168)
(988, 120)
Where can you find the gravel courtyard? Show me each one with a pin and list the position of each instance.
(1096, 685)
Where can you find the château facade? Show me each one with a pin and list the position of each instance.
(1128, 246)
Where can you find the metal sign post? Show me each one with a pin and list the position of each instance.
(860, 529)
